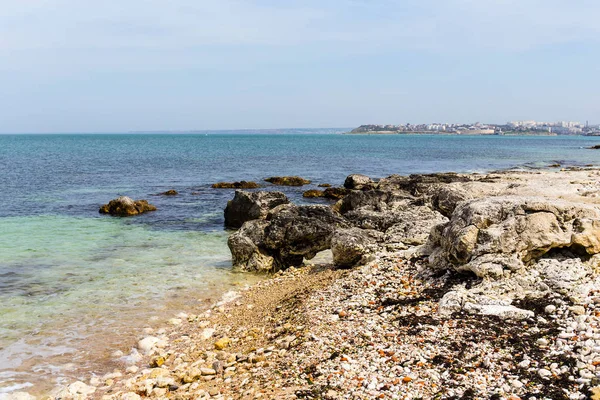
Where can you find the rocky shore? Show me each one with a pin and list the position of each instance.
(442, 286)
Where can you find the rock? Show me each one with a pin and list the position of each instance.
(577, 310)
(17, 396)
(325, 185)
(335, 193)
(358, 182)
(288, 181)
(446, 198)
(171, 192)
(460, 299)
(549, 309)
(76, 390)
(515, 230)
(313, 193)
(222, 343)
(125, 207)
(130, 396)
(208, 371)
(147, 344)
(236, 185)
(350, 246)
(595, 147)
(247, 206)
(544, 373)
(414, 226)
(207, 333)
(290, 234)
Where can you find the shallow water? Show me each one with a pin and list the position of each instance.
(76, 286)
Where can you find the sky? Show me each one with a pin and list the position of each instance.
(151, 65)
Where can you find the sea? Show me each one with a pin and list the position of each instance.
(78, 288)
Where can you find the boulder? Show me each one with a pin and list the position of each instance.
(289, 235)
(325, 185)
(351, 246)
(235, 185)
(491, 235)
(310, 194)
(247, 206)
(358, 182)
(288, 181)
(171, 192)
(126, 207)
(335, 193)
(412, 226)
(446, 198)
(595, 147)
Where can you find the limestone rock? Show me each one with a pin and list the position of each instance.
(247, 206)
(313, 193)
(288, 181)
(125, 207)
(517, 229)
(350, 246)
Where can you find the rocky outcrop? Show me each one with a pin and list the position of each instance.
(329, 193)
(126, 207)
(236, 185)
(358, 182)
(595, 147)
(171, 192)
(351, 246)
(311, 194)
(247, 206)
(289, 235)
(288, 181)
(492, 235)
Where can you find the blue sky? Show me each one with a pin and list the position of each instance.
(110, 66)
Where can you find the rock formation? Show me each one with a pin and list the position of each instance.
(288, 181)
(126, 207)
(171, 192)
(247, 206)
(235, 185)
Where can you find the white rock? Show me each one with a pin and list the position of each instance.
(133, 369)
(130, 396)
(544, 373)
(207, 333)
(175, 321)
(147, 345)
(550, 309)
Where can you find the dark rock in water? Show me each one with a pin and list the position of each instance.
(288, 181)
(236, 185)
(335, 193)
(313, 193)
(171, 192)
(358, 182)
(289, 235)
(325, 185)
(247, 206)
(595, 147)
(125, 207)
(351, 246)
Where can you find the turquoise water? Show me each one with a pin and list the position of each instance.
(76, 286)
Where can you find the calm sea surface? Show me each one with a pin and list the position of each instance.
(76, 286)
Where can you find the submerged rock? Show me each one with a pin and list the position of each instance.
(171, 192)
(125, 207)
(313, 194)
(236, 185)
(247, 206)
(288, 181)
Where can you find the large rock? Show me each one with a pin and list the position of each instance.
(351, 246)
(289, 235)
(288, 181)
(358, 182)
(413, 225)
(126, 207)
(492, 235)
(247, 206)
